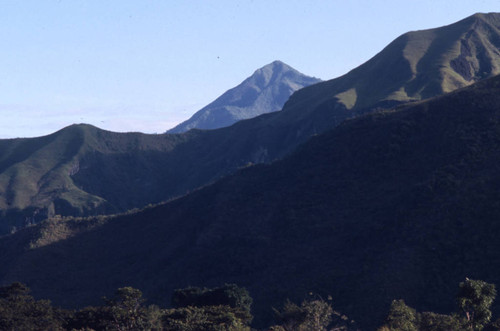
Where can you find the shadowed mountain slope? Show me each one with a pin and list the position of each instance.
(265, 91)
(79, 170)
(38, 176)
(396, 204)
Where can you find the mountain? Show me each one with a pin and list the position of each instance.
(40, 177)
(415, 66)
(78, 170)
(394, 204)
(265, 91)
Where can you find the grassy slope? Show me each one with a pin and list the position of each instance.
(80, 169)
(399, 204)
(415, 66)
(36, 174)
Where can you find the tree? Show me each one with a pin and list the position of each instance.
(207, 318)
(430, 321)
(228, 295)
(291, 316)
(128, 313)
(313, 314)
(90, 318)
(401, 317)
(474, 299)
(319, 314)
(20, 311)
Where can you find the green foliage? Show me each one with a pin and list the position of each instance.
(404, 318)
(128, 313)
(125, 311)
(429, 321)
(398, 220)
(228, 295)
(89, 318)
(291, 316)
(475, 298)
(310, 315)
(318, 315)
(208, 318)
(493, 326)
(20, 311)
(401, 317)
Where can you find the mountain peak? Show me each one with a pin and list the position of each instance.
(487, 16)
(271, 72)
(491, 19)
(277, 65)
(265, 91)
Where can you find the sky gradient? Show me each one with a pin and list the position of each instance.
(148, 65)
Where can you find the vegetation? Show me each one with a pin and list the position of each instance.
(228, 295)
(225, 308)
(79, 170)
(125, 311)
(19, 311)
(312, 314)
(474, 299)
(389, 205)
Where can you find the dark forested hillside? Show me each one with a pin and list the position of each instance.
(395, 204)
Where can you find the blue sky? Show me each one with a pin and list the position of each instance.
(147, 65)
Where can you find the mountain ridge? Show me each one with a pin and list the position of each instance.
(395, 204)
(265, 91)
(405, 56)
(152, 168)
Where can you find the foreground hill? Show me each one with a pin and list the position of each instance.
(80, 169)
(265, 91)
(396, 204)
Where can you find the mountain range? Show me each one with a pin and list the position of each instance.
(395, 204)
(415, 66)
(265, 91)
(78, 170)
(378, 185)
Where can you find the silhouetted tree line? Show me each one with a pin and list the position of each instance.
(228, 308)
(225, 308)
(474, 300)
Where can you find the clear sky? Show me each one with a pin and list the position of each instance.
(141, 65)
